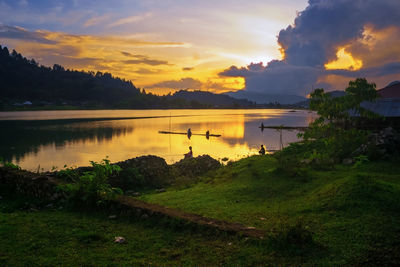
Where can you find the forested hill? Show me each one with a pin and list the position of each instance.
(22, 79)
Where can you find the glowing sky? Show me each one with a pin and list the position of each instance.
(154, 43)
(176, 44)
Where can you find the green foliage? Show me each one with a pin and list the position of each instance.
(92, 188)
(68, 174)
(130, 179)
(360, 160)
(9, 165)
(335, 110)
(333, 136)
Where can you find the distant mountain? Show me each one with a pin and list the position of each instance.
(260, 98)
(210, 99)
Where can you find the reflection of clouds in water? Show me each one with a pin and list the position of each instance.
(78, 143)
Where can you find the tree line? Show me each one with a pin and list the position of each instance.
(23, 79)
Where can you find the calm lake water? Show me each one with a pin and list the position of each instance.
(55, 138)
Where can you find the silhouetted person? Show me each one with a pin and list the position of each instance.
(262, 127)
(189, 154)
(208, 134)
(189, 133)
(262, 150)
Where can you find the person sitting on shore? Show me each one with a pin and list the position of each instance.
(262, 150)
(189, 154)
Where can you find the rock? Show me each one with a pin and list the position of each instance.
(144, 216)
(112, 217)
(49, 205)
(161, 190)
(132, 193)
(119, 240)
(195, 167)
(387, 131)
(347, 161)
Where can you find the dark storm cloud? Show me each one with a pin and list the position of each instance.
(11, 32)
(313, 41)
(387, 69)
(324, 25)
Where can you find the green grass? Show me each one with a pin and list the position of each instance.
(350, 210)
(343, 216)
(53, 237)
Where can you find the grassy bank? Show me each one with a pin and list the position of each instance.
(54, 237)
(352, 211)
(347, 215)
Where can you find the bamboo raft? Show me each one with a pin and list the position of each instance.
(299, 128)
(182, 133)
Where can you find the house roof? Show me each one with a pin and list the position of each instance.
(387, 107)
(390, 91)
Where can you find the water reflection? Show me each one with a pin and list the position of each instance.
(72, 142)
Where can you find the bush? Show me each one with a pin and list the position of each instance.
(92, 188)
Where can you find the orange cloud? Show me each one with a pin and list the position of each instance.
(344, 61)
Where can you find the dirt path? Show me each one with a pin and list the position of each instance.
(221, 225)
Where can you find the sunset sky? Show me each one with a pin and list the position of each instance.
(176, 44)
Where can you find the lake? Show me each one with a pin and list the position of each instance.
(47, 139)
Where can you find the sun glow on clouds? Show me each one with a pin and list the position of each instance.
(344, 61)
(168, 42)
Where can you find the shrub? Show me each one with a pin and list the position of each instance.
(92, 188)
(9, 165)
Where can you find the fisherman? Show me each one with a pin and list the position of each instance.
(208, 134)
(189, 154)
(189, 133)
(262, 150)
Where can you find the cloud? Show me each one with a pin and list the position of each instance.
(277, 77)
(367, 30)
(144, 71)
(23, 3)
(387, 69)
(184, 83)
(131, 19)
(188, 69)
(48, 37)
(96, 20)
(141, 59)
(14, 32)
(127, 54)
